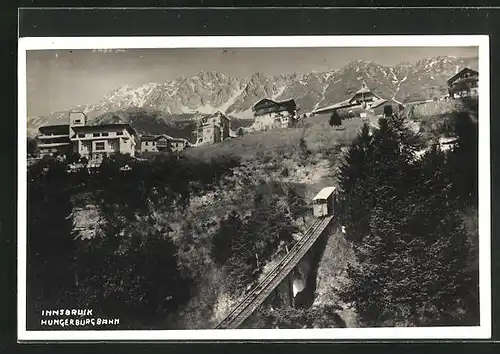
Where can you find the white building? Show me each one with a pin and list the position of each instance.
(94, 142)
(90, 141)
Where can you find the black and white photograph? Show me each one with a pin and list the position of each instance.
(211, 188)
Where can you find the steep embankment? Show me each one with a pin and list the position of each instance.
(276, 160)
(332, 276)
(437, 119)
(303, 159)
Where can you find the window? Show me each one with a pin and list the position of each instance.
(119, 133)
(99, 145)
(77, 121)
(95, 135)
(105, 134)
(81, 135)
(146, 143)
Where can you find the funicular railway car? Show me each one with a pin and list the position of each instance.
(324, 202)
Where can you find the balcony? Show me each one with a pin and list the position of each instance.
(51, 145)
(52, 136)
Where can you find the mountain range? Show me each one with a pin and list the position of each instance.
(182, 99)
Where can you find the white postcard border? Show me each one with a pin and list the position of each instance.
(443, 333)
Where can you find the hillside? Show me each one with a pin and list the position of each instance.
(272, 163)
(183, 98)
(268, 180)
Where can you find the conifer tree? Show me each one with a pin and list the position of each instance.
(335, 120)
(298, 207)
(388, 112)
(354, 184)
(412, 257)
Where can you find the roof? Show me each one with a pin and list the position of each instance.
(268, 102)
(156, 137)
(324, 193)
(54, 126)
(347, 103)
(148, 138)
(454, 77)
(218, 114)
(378, 103)
(88, 128)
(329, 109)
(170, 138)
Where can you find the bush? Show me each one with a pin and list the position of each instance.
(335, 119)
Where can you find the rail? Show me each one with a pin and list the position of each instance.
(274, 278)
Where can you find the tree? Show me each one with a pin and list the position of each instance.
(464, 160)
(269, 225)
(335, 119)
(50, 240)
(413, 251)
(303, 148)
(388, 112)
(72, 157)
(297, 205)
(32, 147)
(354, 182)
(222, 241)
(131, 270)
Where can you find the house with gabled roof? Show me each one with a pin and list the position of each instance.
(463, 84)
(269, 114)
(162, 143)
(364, 99)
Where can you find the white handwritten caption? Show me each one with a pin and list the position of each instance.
(74, 318)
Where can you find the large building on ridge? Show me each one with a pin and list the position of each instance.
(363, 103)
(212, 129)
(463, 84)
(269, 114)
(54, 139)
(93, 142)
(364, 98)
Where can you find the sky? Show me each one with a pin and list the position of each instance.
(62, 79)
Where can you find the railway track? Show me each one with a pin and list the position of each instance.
(258, 294)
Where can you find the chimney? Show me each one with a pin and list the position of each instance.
(456, 69)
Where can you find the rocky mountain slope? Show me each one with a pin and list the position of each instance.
(184, 97)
